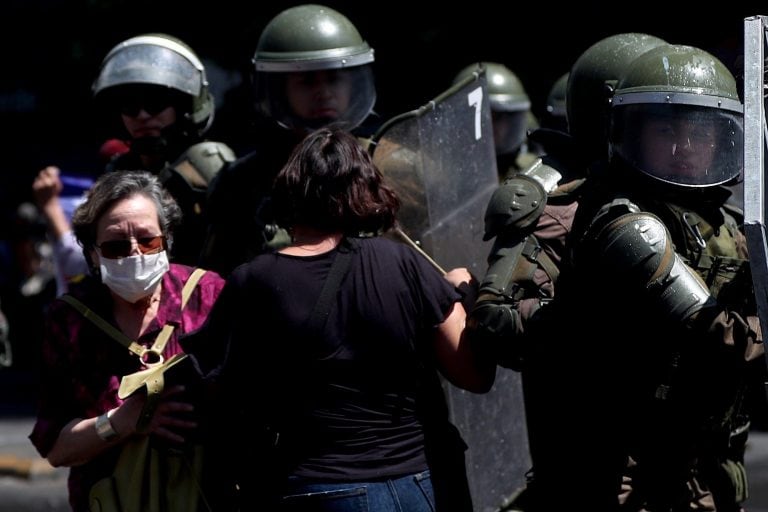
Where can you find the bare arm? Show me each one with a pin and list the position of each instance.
(78, 441)
(462, 363)
(46, 189)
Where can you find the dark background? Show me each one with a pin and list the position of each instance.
(51, 50)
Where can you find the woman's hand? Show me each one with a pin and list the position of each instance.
(467, 285)
(170, 420)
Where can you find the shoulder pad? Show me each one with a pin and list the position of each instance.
(515, 205)
(618, 206)
(202, 161)
(609, 212)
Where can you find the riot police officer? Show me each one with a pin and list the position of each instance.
(312, 68)
(157, 87)
(531, 216)
(682, 144)
(535, 207)
(654, 322)
(152, 91)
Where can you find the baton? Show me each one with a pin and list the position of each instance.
(399, 232)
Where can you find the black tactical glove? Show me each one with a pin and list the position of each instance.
(496, 325)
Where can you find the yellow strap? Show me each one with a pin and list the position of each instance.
(153, 377)
(189, 286)
(159, 345)
(105, 326)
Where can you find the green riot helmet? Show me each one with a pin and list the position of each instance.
(313, 68)
(587, 95)
(554, 117)
(676, 117)
(510, 105)
(158, 64)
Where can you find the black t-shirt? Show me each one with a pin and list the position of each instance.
(351, 403)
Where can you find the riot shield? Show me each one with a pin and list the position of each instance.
(440, 159)
(755, 137)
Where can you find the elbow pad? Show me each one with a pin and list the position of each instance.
(638, 247)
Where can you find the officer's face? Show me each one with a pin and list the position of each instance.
(508, 130)
(319, 95)
(146, 109)
(144, 124)
(678, 146)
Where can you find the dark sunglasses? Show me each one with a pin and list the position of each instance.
(114, 249)
(152, 104)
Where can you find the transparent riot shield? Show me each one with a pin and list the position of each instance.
(441, 161)
(755, 137)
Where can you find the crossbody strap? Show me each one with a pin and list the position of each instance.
(339, 268)
(105, 326)
(159, 345)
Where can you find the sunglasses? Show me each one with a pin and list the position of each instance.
(152, 105)
(114, 249)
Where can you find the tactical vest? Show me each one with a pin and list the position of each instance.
(716, 253)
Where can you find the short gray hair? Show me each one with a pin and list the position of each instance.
(115, 186)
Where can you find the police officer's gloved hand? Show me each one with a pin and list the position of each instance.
(495, 324)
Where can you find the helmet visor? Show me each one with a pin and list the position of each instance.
(309, 100)
(509, 130)
(691, 146)
(150, 64)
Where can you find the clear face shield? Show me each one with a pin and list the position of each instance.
(685, 145)
(307, 100)
(509, 130)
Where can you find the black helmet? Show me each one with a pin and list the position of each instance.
(313, 45)
(510, 105)
(158, 61)
(587, 96)
(677, 117)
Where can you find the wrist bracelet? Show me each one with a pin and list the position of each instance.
(104, 427)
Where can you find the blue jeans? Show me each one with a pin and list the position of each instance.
(412, 493)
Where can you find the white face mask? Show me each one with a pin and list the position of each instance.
(134, 277)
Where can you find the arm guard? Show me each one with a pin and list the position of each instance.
(638, 247)
(511, 217)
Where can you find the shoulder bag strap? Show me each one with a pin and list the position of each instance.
(104, 325)
(339, 268)
(153, 378)
(121, 338)
(159, 345)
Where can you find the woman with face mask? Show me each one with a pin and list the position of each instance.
(125, 229)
